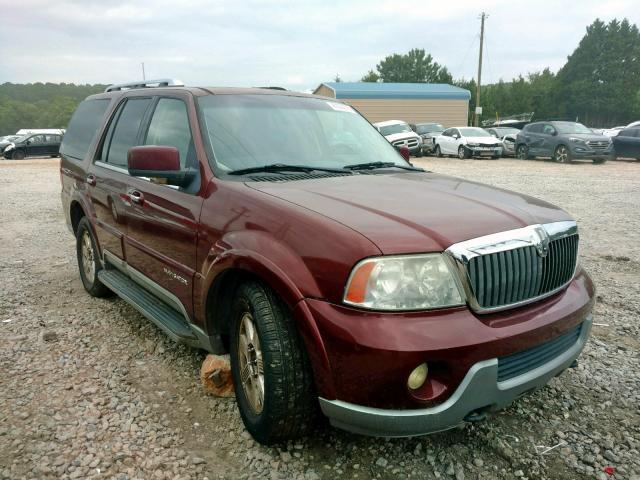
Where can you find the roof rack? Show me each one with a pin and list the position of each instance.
(163, 82)
(273, 88)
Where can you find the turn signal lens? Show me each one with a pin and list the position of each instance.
(418, 376)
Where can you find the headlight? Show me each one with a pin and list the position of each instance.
(471, 144)
(576, 140)
(407, 282)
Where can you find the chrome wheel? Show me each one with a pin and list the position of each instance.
(522, 153)
(250, 362)
(461, 153)
(562, 154)
(88, 257)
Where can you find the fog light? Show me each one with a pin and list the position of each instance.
(418, 376)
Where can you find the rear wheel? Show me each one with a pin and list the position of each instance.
(438, 151)
(522, 152)
(18, 155)
(462, 152)
(89, 261)
(562, 154)
(271, 371)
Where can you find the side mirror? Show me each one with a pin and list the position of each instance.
(554, 133)
(456, 136)
(29, 142)
(157, 162)
(404, 151)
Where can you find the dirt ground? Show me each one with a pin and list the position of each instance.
(91, 389)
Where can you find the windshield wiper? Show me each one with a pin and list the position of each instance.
(281, 167)
(374, 165)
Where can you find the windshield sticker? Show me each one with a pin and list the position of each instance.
(341, 107)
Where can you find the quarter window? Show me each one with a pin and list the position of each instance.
(123, 132)
(83, 126)
(170, 127)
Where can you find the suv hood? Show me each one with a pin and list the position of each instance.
(414, 212)
(400, 136)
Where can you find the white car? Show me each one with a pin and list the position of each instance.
(399, 134)
(466, 142)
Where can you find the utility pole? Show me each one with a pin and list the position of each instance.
(144, 78)
(477, 115)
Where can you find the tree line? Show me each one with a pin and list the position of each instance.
(599, 85)
(40, 105)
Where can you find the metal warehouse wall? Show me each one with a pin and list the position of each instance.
(450, 113)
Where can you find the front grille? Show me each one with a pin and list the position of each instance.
(598, 144)
(408, 142)
(519, 363)
(513, 276)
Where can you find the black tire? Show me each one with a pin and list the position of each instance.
(18, 155)
(438, 151)
(463, 152)
(289, 405)
(522, 152)
(495, 157)
(89, 276)
(599, 161)
(562, 154)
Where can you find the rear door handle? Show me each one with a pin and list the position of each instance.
(136, 196)
(91, 179)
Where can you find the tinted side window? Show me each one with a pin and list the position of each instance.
(125, 132)
(84, 124)
(170, 127)
(534, 128)
(35, 140)
(447, 133)
(548, 129)
(630, 132)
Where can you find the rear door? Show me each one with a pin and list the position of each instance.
(548, 140)
(108, 175)
(35, 146)
(163, 219)
(533, 138)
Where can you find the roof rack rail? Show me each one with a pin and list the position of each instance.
(163, 82)
(273, 88)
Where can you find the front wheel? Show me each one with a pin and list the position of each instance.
(562, 154)
(462, 152)
(18, 155)
(271, 371)
(89, 261)
(522, 152)
(438, 151)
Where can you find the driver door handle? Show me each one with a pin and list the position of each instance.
(135, 196)
(91, 180)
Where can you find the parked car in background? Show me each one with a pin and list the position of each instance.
(612, 132)
(29, 131)
(428, 132)
(633, 124)
(7, 140)
(507, 135)
(38, 145)
(627, 143)
(563, 141)
(397, 302)
(399, 134)
(466, 142)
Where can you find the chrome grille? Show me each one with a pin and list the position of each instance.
(408, 142)
(519, 363)
(512, 276)
(598, 144)
(512, 268)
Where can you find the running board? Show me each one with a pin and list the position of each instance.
(167, 318)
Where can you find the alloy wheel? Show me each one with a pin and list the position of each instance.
(251, 363)
(461, 154)
(522, 152)
(562, 154)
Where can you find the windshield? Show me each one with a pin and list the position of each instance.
(422, 128)
(474, 132)
(245, 131)
(395, 128)
(572, 128)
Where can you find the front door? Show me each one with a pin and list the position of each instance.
(163, 219)
(35, 146)
(108, 175)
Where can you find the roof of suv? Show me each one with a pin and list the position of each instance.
(203, 91)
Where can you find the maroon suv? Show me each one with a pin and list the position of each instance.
(284, 229)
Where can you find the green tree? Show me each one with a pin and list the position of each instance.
(416, 66)
(601, 79)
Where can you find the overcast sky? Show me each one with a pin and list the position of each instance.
(292, 44)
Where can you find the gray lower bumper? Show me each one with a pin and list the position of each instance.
(479, 390)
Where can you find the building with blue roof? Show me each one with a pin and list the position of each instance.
(411, 102)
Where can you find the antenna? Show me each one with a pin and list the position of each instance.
(478, 111)
(143, 77)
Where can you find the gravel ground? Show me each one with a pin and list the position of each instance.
(91, 389)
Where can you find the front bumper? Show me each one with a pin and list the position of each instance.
(589, 154)
(479, 391)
